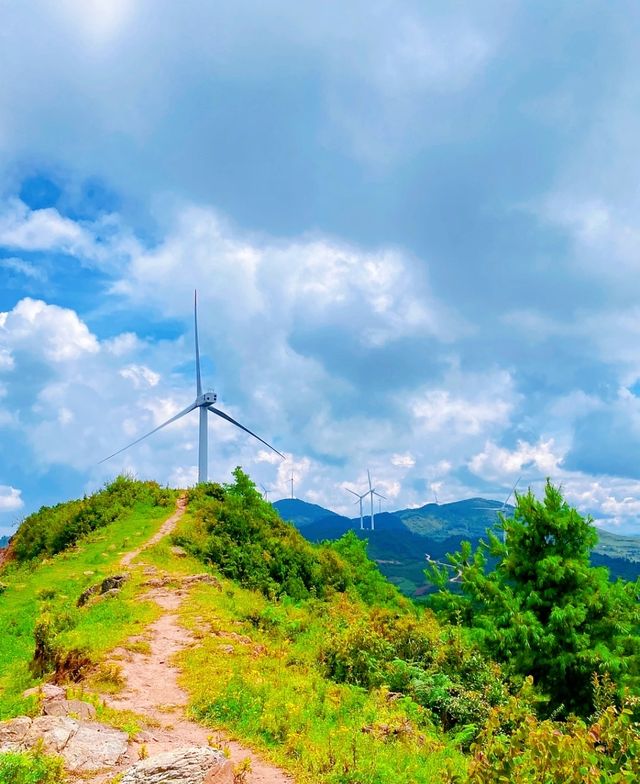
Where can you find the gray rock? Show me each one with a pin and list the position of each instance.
(13, 733)
(192, 765)
(110, 586)
(48, 691)
(82, 710)
(115, 581)
(82, 745)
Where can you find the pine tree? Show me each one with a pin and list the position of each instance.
(543, 609)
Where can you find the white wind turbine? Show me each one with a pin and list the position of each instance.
(501, 509)
(372, 491)
(204, 402)
(360, 498)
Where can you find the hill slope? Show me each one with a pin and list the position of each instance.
(303, 651)
(403, 539)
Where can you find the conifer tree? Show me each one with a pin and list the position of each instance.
(542, 608)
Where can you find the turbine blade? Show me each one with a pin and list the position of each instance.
(352, 492)
(379, 495)
(182, 413)
(195, 319)
(369, 476)
(246, 429)
(513, 489)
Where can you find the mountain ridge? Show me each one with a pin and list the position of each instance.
(403, 541)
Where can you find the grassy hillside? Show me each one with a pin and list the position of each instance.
(305, 651)
(38, 595)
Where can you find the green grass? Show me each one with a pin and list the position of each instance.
(30, 768)
(269, 692)
(264, 687)
(53, 586)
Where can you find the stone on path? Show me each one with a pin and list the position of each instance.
(82, 745)
(191, 765)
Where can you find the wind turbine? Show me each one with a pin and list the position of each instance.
(372, 491)
(265, 493)
(204, 403)
(359, 497)
(501, 509)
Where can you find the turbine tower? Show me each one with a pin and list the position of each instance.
(359, 497)
(372, 491)
(203, 402)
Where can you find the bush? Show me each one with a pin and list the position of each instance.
(30, 768)
(245, 538)
(516, 747)
(55, 528)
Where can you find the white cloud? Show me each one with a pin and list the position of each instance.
(24, 268)
(46, 229)
(140, 376)
(485, 405)
(495, 463)
(403, 461)
(49, 331)
(10, 499)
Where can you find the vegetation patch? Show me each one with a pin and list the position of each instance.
(43, 634)
(32, 767)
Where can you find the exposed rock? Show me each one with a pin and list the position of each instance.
(13, 733)
(77, 708)
(115, 581)
(193, 765)
(190, 579)
(82, 745)
(48, 691)
(87, 594)
(179, 552)
(110, 585)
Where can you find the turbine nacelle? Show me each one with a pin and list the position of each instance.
(206, 399)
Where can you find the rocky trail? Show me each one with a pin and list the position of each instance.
(171, 749)
(151, 679)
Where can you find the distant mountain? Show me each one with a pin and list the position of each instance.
(468, 519)
(300, 512)
(4, 541)
(403, 539)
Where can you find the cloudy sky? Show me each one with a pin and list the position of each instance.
(413, 228)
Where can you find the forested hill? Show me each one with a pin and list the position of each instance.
(403, 539)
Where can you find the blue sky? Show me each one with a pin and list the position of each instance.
(413, 228)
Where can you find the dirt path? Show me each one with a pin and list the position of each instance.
(166, 528)
(151, 680)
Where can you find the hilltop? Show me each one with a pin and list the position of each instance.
(216, 619)
(403, 539)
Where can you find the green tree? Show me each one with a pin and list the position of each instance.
(543, 609)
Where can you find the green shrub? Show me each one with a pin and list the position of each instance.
(245, 538)
(543, 610)
(518, 748)
(30, 768)
(55, 528)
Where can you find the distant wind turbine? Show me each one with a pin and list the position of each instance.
(292, 484)
(372, 491)
(359, 497)
(265, 493)
(501, 509)
(204, 402)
